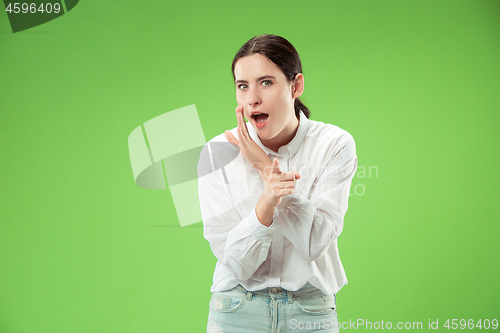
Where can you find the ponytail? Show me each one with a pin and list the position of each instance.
(298, 105)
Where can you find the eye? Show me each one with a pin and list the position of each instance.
(242, 86)
(266, 83)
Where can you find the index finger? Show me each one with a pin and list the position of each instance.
(276, 166)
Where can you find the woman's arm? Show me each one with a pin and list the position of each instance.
(276, 185)
(313, 224)
(241, 243)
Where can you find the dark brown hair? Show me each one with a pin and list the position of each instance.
(281, 52)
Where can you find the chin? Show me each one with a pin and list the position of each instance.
(266, 135)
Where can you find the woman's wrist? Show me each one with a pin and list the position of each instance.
(265, 210)
(265, 169)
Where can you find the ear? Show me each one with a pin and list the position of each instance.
(298, 85)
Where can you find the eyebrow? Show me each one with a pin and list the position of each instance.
(259, 79)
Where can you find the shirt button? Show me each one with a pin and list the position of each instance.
(275, 273)
(277, 244)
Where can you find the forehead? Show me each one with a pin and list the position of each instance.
(255, 66)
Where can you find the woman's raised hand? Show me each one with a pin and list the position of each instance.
(249, 149)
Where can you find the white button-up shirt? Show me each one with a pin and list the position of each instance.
(300, 245)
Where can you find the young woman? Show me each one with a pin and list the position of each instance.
(273, 209)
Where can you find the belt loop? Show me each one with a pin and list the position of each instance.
(290, 296)
(249, 295)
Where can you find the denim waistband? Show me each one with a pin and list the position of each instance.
(276, 292)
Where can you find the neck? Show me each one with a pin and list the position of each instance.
(284, 137)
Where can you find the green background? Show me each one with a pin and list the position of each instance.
(84, 249)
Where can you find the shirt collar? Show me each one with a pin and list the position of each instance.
(291, 148)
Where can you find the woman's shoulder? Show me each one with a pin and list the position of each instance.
(328, 140)
(324, 132)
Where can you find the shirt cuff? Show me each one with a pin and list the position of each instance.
(284, 201)
(255, 228)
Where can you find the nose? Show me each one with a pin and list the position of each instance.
(253, 98)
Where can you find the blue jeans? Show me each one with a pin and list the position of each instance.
(272, 310)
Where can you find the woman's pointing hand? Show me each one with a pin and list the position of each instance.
(278, 184)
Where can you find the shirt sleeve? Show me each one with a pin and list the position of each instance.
(239, 243)
(312, 224)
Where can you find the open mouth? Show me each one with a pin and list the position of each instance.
(260, 119)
